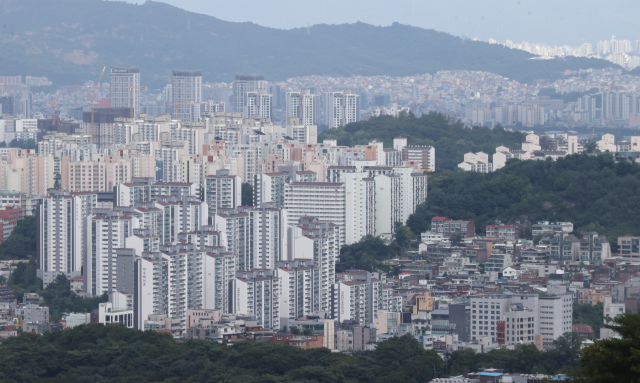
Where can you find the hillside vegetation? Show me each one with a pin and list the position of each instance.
(70, 41)
(449, 136)
(593, 192)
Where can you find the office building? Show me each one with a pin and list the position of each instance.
(187, 94)
(124, 88)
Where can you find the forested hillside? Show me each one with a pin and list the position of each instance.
(448, 135)
(593, 192)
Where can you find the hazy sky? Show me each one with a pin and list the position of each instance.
(546, 21)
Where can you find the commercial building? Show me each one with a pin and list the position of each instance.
(124, 88)
(187, 94)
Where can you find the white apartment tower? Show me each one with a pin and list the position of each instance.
(301, 293)
(246, 82)
(317, 241)
(341, 108)
(360, 206)
(302, 104)
(257, 293)
(125, 88)
(222, 190)
(323, 200)
(187, 94)
(61, 248)
(257, 103)
(105, 231)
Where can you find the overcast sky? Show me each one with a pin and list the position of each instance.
(545, 21)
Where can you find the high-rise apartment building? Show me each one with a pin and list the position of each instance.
(61, 246)
(323, 200)
(318, 241)
(269, 188)
(257, 103)
(124, 88)
(257, 293)
(245, 83)
(302, 104)
(105, 231)
(186, 90)
(301, 293)
(222, 190)
(341, 108)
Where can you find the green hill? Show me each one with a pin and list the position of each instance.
(593, 192)
(448, 136)
(70, 41)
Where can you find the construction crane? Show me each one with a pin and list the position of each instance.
(91, 98)
(130, 88)
(53, 113)
(175, 115)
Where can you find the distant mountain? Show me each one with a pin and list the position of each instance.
(70, 41)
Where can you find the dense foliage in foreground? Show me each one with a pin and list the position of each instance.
(449, 136)
(527, 359)
(115, 354)
(593, 192)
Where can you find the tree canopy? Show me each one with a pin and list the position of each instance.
(447, 135)
(615, 360)
(23, 241)
(114, 353)
(594, 192)
(589, 314)
(367, 254)
(525, 359)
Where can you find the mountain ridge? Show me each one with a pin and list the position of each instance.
(70, 41)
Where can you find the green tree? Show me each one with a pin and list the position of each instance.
(403, 235)
(456, 239)
(367, 254)
(247, 194)
(589, 314)
(22, 243)
(615, 360)
(591, 147)
(541, 190)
